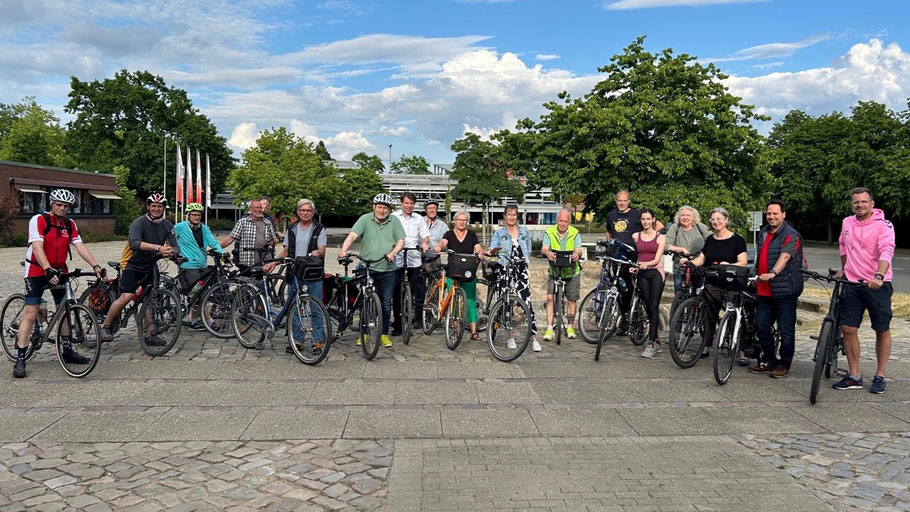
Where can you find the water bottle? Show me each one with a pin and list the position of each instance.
(42, 311)
(622, 284)
(137, 294)
(196, 288)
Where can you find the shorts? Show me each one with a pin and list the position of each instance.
(34, 290)
(131, 279)
(190, 276)
(573, 287)
(858, 299)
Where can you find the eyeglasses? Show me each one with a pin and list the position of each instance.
(305, 210)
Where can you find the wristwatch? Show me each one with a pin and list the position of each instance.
(879, 276)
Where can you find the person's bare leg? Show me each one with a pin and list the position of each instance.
(851, 348)
(882, 351)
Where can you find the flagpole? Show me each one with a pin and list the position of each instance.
(164, 187)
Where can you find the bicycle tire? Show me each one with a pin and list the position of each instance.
(836, 346)
(558, 317)
(277, 285)
(313, 346)
(407, 313)
(165, 310)
(10, 316)
(725, 348)
(249, 316)
(85, 340)
(101, 308)
(370, 326)
(638, 322)
(455, 318)
(609, 320)
(215, 310)
(590, 311)
(822, 352)
(508, 315)
(678, 299)
(687, 326)
(483, 303)
(430, 310)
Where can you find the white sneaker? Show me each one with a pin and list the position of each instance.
(535, 346)
(511, 345)
(651, 350)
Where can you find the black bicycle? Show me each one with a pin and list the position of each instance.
(354, 304)
(830, 339)
(407, 300)
(559, 266)
(209, 296)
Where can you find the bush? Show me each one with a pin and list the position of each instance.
(221, 224)
(14, 240)
(100, 237)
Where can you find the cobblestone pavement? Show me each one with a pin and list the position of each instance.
(214, 426)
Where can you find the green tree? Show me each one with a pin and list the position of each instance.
(664, 126)
(128, 208)
(323, 152)
(369, 162)
(285, 168)
(411, 165)
(123, 121)
(31, 134)
(359, 186)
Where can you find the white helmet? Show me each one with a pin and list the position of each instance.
(382, 198)
(62, 195)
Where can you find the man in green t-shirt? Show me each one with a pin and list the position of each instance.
(381, 237)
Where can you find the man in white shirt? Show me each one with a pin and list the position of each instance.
(416, 235)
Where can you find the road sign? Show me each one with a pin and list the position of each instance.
(757, 219)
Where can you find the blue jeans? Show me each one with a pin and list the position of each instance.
(679, 281)
(767, 311)
(314, 288)
(385, 287)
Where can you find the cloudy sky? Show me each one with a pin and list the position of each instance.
(362, 74)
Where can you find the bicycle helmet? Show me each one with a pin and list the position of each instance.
(62, 195)
(194, 207)
(156, 197)
(431, 201)
(382, 198)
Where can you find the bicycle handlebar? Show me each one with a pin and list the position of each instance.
(831, 277)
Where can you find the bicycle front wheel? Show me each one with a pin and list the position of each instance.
(78, 340)
(370, 326)
(407, 313)
(686, 337)
(822, 352)
(430, 310)
(249, 316)
(277, 285)
(160, 320)
(509, 329)
(10, 316)
(610, 320)
(483, 304)
(559, 314)
(590, 313)
(455, 317)
(725, 348)
(638, 322)
(216, 310)
(309, 331)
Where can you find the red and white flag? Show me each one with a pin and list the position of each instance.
(180, 174)
(189, 176)
(198, 178)
(208, 182)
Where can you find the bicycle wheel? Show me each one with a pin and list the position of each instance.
(370, 326)
(678, 299)
(277, 285)
(590, 313)
(407, 313)
(215, 310)
(725, 348)
(638, 321)
(78, 352)
(99, 298)
(483, 304)
(159, 321)
(10, 316)
(686, 337)
(822, 353)
(509, 329)
(430, 310)
(610, 320)
(249, 316)
(455, 318)
(309, 330)
(558, 314)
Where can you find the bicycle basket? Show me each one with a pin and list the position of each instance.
(99, 301)
(563, 259)
(730, 277)
(308, 268)
(432, 265)
(463, 266)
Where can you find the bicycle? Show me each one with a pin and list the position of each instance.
(830, 338)
(84, 331)
(253, 320)
(563, 262)
(407, 300)
(599, 311)
(508, 313)
(357, 296)
(736, 321)
(157, 308)
(453, 305)
(687, 322)
(213, 297)
(689, 289)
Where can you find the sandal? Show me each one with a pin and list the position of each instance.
(475, 337)
(743, 361)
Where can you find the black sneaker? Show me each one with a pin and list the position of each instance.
(70, 356)
(878, 385)
(396, 332)
(849, 383)
(106, 334)
(156, 340)
(19, 368)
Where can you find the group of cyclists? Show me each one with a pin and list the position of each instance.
(866, 248)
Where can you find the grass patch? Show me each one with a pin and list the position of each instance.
(900, 302)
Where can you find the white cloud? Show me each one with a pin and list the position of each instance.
(393, 132)
(244, 136)
(771, 50)
(768, 65)
(344, 145)
(649, 4)
(546, 56)
(304, 131)
(375, 48)
(869, 71)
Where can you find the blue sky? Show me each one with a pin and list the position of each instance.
(361, 75)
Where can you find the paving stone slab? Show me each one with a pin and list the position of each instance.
(179, 393)
(392, 369)
(354, 392)
(440, 392)
(857, 417)
(584, 391)
(580, 421)
(488, 423)
(159, 368)
(99, 426)
(18, 426)
(396, 422)
(304, 423)
(674, 391)
(267, 394)
(477, 370)
(506, 392)
(185, 424)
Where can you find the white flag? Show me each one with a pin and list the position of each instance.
(208, 182)
(198, 178)
(189, 176)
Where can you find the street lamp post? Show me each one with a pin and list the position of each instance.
(390, 159)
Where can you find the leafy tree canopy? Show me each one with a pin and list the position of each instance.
(411, 165)
(323, 152)
(369, 162)
(482, 179)
(31, 134)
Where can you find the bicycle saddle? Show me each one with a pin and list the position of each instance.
(114, 265)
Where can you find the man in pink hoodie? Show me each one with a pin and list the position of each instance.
(866, 248)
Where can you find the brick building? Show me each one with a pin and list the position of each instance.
(31, 184)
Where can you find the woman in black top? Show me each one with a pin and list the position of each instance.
(723, 247)
(464, 241)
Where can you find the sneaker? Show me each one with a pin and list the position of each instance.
(535, 346)
(570, 333)
(548, 335)
(651, 350)
(848, 382)
(192, 324)
(878, 385)
(70, 356)
(156, 340)
(511, 345)
(760, 368)
(361, 339)
(386, 342)
(780, 372)
(290, 350)
(396, 332)
(106, 334)
(19, 368)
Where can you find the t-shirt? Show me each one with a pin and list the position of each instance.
(727, 250)
(56, 243)
(302, 239)
(463, 247)
(622, 225)
(378, 239)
